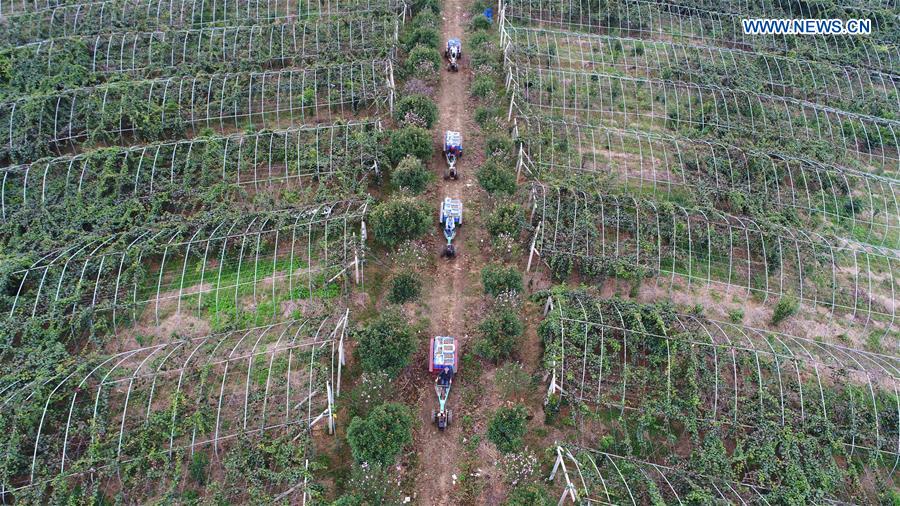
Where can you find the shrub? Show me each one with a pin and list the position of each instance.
(423, 62)
(416, 110)
(736, 315)
(786, 307)
(498, 280)
(411, 175)
(481, 23)
(386, 344)
(483, 86)
(380, 437)
(506, 219)
(423, 7)
(399, 220)
(405, 287)
(496, 178)
(423, 35)
(500, 333)
(409, 140)
(507, 428)
(531, 494)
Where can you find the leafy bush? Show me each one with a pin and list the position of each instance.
(405, 287)
(423, 62)
(531, 494)
(411, 174)
(506, 219)
(416, 110)
(507, 428)
(409, 140)
(481, 23)
(496, 178)
(483, 86)
(399, 220)
(380, 437)
(386, 344)
(498, 280)
(736, 315)
(423, 35)
(786, 307)
(500, 333)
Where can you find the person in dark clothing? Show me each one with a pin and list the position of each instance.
(446, 376)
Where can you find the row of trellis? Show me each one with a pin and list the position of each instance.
(591, 476)
(787, 76)
(171, 400)
(203, 266)
(140, 54)
(675, 166)
(611, 353)
(105, 16)
(301, 157)
(151, 109)
(663, 20)
(692, 247)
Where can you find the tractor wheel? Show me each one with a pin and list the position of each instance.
(433, 416)
(449, 251)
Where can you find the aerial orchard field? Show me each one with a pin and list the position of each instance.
(660, 256)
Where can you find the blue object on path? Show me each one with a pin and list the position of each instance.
(489, 13)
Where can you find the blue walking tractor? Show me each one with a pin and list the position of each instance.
(451, 219)
(453, 150)
(444, 362)
(453, 53)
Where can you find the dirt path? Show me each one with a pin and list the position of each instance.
(455, 295)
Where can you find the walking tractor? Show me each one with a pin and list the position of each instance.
(444, 362)
(452, 152)
(451, 219)
(453, 53)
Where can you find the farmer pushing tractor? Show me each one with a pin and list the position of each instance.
(444, 361)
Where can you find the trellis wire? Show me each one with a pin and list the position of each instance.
(587, 466)
(743, 361)
(668, 164)
(181, 268)
(179, 380)
(271, 46)
(708, 247)
(245, 159)
(653, 19)
(269, 98)
(92, 18)
(602, 96)
(789, 76)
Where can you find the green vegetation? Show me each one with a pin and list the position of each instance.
(416, 110)
(409, 140)
(386, 344)
(379, 438)
(401, 219)
(411, 175)
(496, 178)
(499, 280)
(500, 334)
(405, 287)
(506, 428)
(786, 307)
